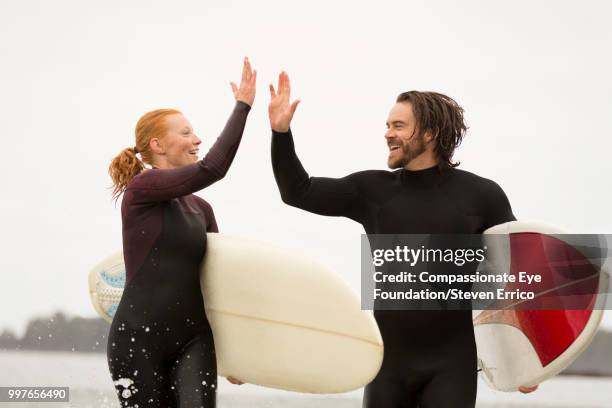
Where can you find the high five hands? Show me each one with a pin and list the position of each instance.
(279, 110)
(246, 91)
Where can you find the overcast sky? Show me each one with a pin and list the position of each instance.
(533, 77)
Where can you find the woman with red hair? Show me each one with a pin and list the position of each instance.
(161, 351)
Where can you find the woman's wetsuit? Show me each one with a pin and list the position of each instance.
(430, 356)
(160, 347)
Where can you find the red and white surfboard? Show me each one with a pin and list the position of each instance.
(525, 342)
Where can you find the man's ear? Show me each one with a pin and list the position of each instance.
(428, 137)
(431, 135)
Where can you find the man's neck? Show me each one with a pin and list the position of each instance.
(422, 162)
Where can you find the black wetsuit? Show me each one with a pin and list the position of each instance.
(160, 347)
(430, 357)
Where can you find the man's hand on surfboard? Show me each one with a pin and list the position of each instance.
(279, 110)
(527, 390)
(246, 91)
(234, 381)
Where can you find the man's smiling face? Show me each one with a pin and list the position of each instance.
(402, 136)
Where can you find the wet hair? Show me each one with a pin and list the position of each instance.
(442, 117)
(126, 165)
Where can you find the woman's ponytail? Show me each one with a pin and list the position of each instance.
(125, 166)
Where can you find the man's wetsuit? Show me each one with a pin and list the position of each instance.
(430, 356)
(160, 347)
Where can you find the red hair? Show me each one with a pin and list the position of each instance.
(126, 165)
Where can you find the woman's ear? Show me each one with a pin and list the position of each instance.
(156, 147)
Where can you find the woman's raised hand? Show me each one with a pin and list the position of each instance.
(246, 91)
(279, 110)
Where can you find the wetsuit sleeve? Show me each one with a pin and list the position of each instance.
(498, 210)
(164, 184)
(320, 195)
(212, 221)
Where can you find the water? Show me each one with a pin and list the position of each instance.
(91, 387)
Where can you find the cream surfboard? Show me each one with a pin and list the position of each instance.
(279, 319)
(524, 345)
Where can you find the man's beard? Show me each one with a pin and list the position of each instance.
(410, 152)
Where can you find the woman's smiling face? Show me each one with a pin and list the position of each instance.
(180, 145)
